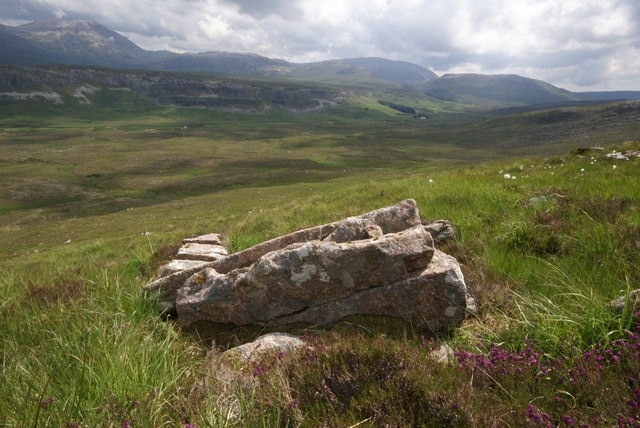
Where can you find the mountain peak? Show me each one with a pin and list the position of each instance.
(81, 42)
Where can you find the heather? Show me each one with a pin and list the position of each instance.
(546, 240)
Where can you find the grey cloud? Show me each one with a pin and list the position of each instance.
(261, 8)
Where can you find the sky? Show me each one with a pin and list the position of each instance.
(578, 45)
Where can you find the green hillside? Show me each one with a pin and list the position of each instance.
(96, 196)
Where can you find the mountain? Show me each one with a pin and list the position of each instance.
(221, 63)
(360, 71)
(395, 71)
(87, 43)
(92, 44)
(496, 90)
(15, 49)
(80, 43)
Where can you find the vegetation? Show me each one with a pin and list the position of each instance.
(89, 208)
(398, 107)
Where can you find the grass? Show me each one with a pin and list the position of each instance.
(90, 210)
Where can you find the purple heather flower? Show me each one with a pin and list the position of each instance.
(46, 402)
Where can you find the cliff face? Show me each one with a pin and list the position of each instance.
(165, 88)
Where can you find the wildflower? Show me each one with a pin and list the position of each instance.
(430, 180)
(615, 166)
(126, 424)
(533, 414)
(567, 420)
(581, 169)
(46, 402)
(259, 370)
(507, 176)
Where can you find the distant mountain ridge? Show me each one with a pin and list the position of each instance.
(87, 43)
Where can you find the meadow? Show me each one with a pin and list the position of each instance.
(93, 201)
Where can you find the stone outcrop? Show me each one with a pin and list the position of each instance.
(381, 263)
(194, 254)
(389, 219)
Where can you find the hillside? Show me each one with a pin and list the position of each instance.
(497, 90)
(90, 208)
(85, 85)
(85, 43)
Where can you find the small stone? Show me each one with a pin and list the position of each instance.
(268, 343)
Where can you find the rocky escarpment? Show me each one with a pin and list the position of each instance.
(382, 263)
(188, 90)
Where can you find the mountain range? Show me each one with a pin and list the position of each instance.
(89, 44)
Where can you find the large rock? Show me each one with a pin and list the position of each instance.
(434, 299)
(390, 219)
(382, 263)
(303, 276)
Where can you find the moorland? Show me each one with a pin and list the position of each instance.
(97, 192)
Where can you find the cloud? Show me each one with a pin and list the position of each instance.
(586, 44)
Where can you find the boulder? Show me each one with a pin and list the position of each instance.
(302, 276)
(390, 219)
(382, 263)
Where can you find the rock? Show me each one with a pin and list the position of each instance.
(203, 252)
(303, 276)
(440, 230)
(623, 302)
(268, 343)
(434, 299)
(373, 231)
(382, 263)
(390, 219)
(178, 265)
(443, 353)
(211, 238)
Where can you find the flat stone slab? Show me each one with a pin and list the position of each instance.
(204, 252)
(177, 265)
(210, 238)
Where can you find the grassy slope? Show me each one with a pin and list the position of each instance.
(82, 230)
